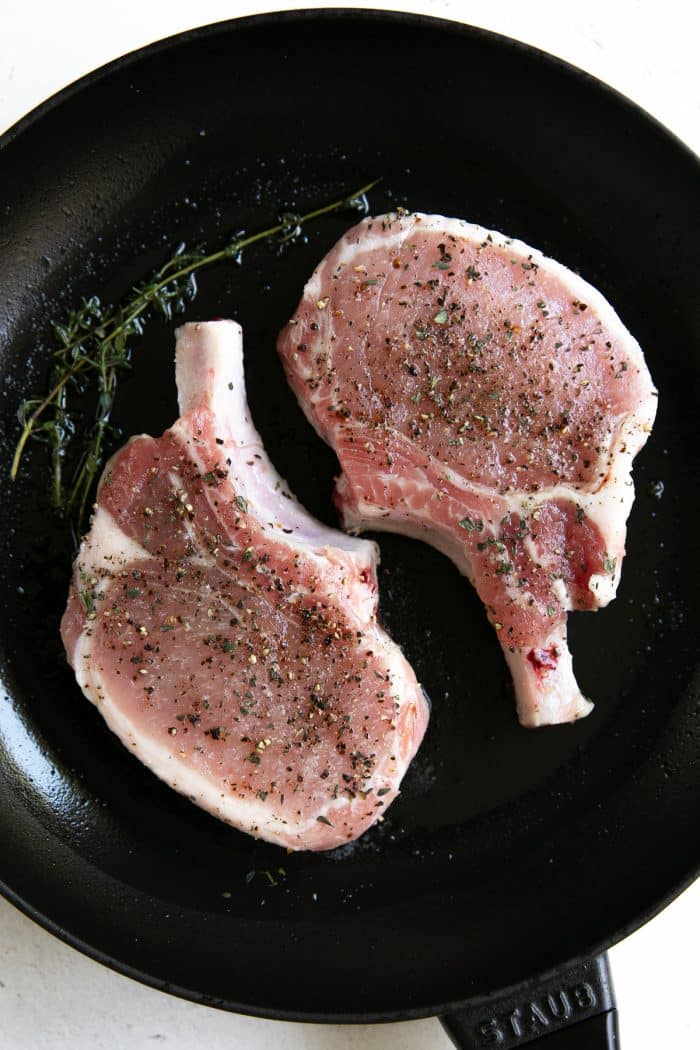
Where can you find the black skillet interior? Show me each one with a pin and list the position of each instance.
(509, 851)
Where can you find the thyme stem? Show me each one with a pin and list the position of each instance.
(94, 349)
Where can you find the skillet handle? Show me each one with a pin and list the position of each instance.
(574, 1010)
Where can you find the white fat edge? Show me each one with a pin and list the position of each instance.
(104, 552)
(260, 481)
(368, 515)
(315, 292)
(405, 690)
(612, 504)
(313, 287)
(106, 549)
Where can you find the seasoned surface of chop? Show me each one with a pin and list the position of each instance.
(228, 638)
(487, 400)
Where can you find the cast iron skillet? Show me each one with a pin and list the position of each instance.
(511, 853)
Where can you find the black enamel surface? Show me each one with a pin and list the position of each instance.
(509, 851)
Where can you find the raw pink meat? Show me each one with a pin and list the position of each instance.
(228, 638)
(489, 401)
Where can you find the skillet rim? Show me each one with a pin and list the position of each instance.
(330, 15)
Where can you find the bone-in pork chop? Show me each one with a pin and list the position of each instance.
(228, 638)
(485, 399)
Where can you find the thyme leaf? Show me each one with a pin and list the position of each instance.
(471, 524)
(94, 345)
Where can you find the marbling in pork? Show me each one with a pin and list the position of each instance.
(486, 399)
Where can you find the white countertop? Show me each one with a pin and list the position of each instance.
(53, 998)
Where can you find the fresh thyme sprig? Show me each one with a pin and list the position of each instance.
(94, 348)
